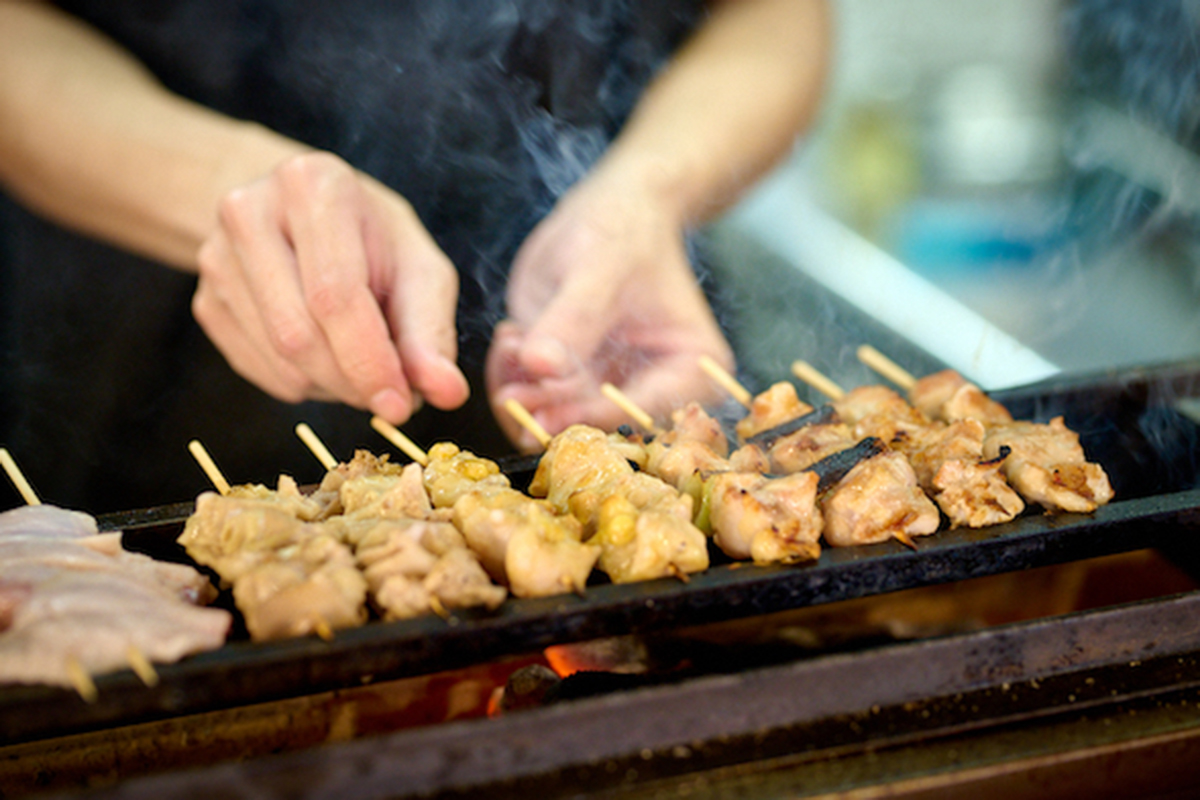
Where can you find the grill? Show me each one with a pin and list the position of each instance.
(1135, 422)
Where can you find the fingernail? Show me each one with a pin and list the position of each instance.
(388, 404)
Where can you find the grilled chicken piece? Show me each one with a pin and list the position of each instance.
(523, 544)
(767, 520)
(772, 408)
(880, 412)
(800, 450)
(70, 594)
(582, 469)
(393, 494)
(948, 396)
(877, 500)
(950, 466)
(451, 472)
(311, 587)
(289, 577)
(640, 544)
(1047, 465)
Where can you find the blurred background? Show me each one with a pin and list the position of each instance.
(1011, 186)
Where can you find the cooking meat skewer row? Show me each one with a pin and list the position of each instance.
(1044, 462)
(947, 458)
(749, 514)
(944, 395)
(67, 587)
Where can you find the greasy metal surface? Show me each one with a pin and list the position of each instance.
(934, 688)
(1126, 421)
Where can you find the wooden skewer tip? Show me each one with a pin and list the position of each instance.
(526, 421)
(314, 443)
(208, 465)
(18, 478)
(726, 381)
(886, 367)
(629, 407)
(141, 666)
(817, 380)
(81, 680)
(390, 432)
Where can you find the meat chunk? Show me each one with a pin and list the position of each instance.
(1047, 465)
(879, 499)
(768, 520)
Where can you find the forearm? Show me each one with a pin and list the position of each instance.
(727, 108)
(91, 140)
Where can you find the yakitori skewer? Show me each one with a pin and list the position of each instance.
(629, 407)
(886, 367)
(18, 478)
(390, 432)
(726, 381)
(526, 421)
(314, 443)
(209, 466)
(817, 380)
(79, 676)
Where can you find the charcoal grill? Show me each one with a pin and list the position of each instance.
(1135, 422)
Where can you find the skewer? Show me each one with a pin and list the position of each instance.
(886, 367)
(809, 374)
(726, 381)
(318, 448)
(208, 465)
(526, 421)
(141, 665)
(390, 432)
(629, 407)
(18, 478)
(81, 680)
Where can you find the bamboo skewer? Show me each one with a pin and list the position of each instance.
(390, 432)
(886, 367)
(141, 665)
(629, 407)
(318, 448)
(208, 465)
(81, 680)
(809, 374)
(526, 421)
(726, 381)
(18, 478)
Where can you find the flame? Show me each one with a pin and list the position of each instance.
(564, 660)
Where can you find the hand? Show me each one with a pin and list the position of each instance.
(602, 291)
(320, 283)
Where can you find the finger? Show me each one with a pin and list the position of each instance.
(264, 292)
(326, 226)
(567, 333)
(277, 379)
(422, 310)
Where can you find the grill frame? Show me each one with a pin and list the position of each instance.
(1121, 416)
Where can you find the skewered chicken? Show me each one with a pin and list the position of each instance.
(948, 396)
(1047, 465)
(73, 598)
(642, 525)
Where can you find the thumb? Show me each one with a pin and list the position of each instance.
(423, 308)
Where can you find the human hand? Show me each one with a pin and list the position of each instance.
(602, 291)
(320, 283)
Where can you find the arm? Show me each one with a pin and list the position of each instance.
(602, 290)
(299, 306)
